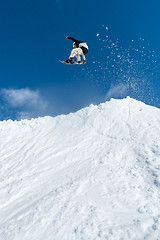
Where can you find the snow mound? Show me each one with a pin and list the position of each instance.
(93, 174)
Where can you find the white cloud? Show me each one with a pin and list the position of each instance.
(117, 91)
(24, 102)
(24, 96)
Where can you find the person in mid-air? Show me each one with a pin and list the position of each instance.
(80, 48)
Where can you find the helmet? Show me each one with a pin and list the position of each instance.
(74, 45)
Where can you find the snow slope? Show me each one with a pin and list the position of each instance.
(93, 174)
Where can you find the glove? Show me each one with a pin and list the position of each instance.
(84, 61)
(66, 37)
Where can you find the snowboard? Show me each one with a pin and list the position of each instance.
(73, 63)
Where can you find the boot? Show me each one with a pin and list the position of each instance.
(69, 60)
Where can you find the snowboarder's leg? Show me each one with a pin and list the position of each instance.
(80, 51)
(76, 53)
(78, 58)
(84, 58)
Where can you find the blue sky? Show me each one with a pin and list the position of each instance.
(123, 59)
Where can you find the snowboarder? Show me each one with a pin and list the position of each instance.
(80, 48)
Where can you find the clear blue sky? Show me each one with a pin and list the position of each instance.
(34, 83)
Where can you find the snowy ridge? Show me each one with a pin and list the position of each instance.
(93, 174)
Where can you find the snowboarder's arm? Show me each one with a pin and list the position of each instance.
(74, 40)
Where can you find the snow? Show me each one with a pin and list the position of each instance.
(93, 174)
